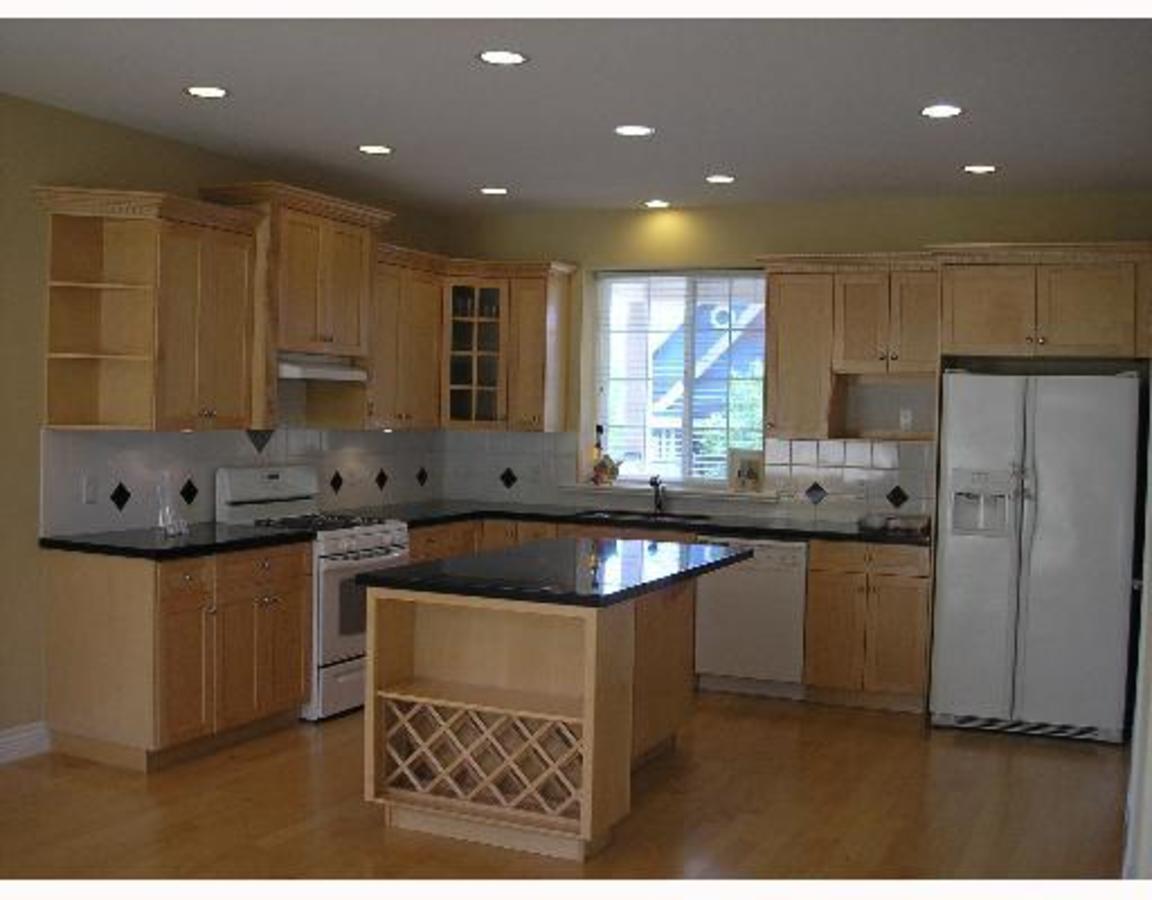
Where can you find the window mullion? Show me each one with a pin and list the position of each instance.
(689, 381)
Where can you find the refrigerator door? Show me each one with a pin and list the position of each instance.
(1076, 551)
(982, 447)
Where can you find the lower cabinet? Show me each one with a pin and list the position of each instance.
(866, 623)
(497, 534)
(442, 541)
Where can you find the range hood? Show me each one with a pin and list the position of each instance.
(306, 367)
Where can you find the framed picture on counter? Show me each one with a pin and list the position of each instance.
(745, 471)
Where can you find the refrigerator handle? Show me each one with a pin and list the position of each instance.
(1029, 511)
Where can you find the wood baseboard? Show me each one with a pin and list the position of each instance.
(140, 759)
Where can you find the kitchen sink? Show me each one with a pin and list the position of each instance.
(632, 515)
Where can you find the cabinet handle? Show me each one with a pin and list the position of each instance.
(203, 413)
(210, 608)
(265, 565)
(1027, 339)
(187, 577)
(883, 356)
(1041, 340)
(894, 356)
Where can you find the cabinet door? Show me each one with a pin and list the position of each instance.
(442, 541)
(834, 630)
(347, 282)
(418, 351)
(280, 648)
(535, 531)
(178, 302)
(800, 355)
(474, 390)
(225, 329)
(527, 353)
(300, 281)
(896, 635)
(185, 701)
(384, 341)
(989, 310)
(235, 656)
(496, 534)
(860, 328)
(914, 329)
(1086, 310)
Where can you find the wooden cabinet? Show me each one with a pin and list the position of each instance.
(1076, 309)
(497, 534)
(442, 541)
(475, 365)
(886, 322)
(185, 652)
(150, 311)
(866, 622)
(538, 350)
(535, 531)
(800, 327)
(404, 360)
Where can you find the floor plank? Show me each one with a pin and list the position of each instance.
(756, 788)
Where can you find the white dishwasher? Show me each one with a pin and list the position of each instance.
(750, 621)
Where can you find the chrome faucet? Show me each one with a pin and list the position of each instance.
(657, 494)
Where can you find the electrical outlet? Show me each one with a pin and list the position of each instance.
(87, 489)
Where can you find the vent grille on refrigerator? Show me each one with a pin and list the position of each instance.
(1014, 726)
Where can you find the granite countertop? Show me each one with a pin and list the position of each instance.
(202, 539)
(439, 512)
(566, 571)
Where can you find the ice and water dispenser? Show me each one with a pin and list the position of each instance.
(981, 502)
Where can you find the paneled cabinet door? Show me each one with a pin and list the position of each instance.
(896, 634)
(224, 378)
(300, 282)
(989, 310)
(384, 341)
(178, 304)
(496, 534)
(279, 646)
(419, 354)
(528, 353)
(861, 327)
(799, 355)
(535, 531)
(235, 654)
(834, 630)
(347, 281)
(914, 322)
(185, 701)
(475, 386)
(1086, 310)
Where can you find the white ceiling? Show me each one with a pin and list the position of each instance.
(795, 109)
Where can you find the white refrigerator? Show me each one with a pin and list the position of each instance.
(1034, 552)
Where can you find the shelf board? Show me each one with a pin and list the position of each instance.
(883, 435)
(487, 699)
(118, 357)
(100, 285)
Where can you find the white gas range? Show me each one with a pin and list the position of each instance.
(345, 545)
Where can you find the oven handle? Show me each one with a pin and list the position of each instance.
(366, 563)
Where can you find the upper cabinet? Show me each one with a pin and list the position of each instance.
(476, 359)
(538, 349)
(1047, 300)
(886, 321)
(319, 276)
(799, 389)
(149, 311)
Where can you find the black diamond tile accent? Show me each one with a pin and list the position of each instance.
(815, 493)
(508, 478)
(260, 438)
(381, 479)
(337, 481)
(422, 476)
(897, 496)
(189, 491)
(120, 495)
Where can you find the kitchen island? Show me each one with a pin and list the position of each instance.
(511, 693)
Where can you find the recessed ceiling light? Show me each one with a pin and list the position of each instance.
(206, 92)
(720, 179)
(657, 204)
(503, 58)
(494, 191)
(941, 111)
(375, 149)
(635, 130)
(980, 169)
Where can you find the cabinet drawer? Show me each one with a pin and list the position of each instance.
(186, 575)
(838, 556)
(267, 565)
(896, 559)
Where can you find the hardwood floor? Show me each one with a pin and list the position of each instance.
(756, 788)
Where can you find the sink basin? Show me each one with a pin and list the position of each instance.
(625, 515)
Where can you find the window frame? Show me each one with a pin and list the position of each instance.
(602, 379)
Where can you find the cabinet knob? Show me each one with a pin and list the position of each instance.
(894, 356)
(1041, 340)
(883, 356)
(187, 577)
(210, 608)
(265, 565)
(1027, 339)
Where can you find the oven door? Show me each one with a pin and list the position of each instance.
(341, 606)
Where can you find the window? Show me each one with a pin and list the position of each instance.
(681, 371)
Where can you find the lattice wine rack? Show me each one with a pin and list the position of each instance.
(498, 760)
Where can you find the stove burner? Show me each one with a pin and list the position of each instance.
(324, 521)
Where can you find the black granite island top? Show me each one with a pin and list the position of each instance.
(567, 571)
(739, 525)
(202, 539)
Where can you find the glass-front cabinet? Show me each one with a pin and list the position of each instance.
(475, 383)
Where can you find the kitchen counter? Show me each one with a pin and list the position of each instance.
(202, 539)
(568, 571)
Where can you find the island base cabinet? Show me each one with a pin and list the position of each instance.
(664, 683)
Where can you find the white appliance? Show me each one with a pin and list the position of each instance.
(345, 545)
(1034, 572)
(750, 621)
